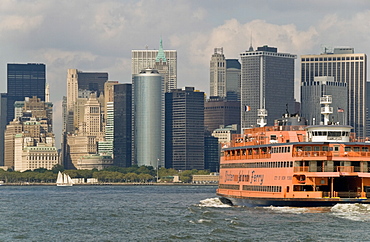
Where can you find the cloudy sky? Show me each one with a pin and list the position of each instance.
(97, 35)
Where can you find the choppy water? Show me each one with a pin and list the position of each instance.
(165, 213)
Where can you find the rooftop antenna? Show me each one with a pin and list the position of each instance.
(251, 47)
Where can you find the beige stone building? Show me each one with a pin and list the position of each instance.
(29, 141)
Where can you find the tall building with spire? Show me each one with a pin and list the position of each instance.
(165, 61)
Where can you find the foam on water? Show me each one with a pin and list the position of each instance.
(355, 212)
(213, 202)
(298, 210)
(287, 209)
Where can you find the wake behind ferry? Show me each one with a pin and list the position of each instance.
(296, 165)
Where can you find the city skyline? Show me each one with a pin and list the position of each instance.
(100, 36)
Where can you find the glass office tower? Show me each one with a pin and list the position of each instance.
(24, 80)
(148, 119)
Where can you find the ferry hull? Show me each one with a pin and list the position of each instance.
(289, 202)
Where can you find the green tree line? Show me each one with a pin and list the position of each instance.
(112, 174)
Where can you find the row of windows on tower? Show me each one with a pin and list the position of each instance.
(334, 58)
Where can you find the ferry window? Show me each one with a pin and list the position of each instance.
(336, 148)
(356, 148)
(273, 137)
(365, 149)
(307, 148)
(347, 149)
(298, 148)
(334, 133)
(316, 148)
(325, 148)
(288, 149)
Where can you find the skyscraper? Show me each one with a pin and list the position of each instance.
(233, 75)
(220, 111)
(148, 118)
(84, 117)
(24, 80)
(80, 85)
(122, 122)
(218, 73)
(164, 61)
(185, 129)
(267, 83)
(313, 91)
(224, 76)
(346, 67)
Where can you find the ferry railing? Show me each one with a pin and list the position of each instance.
(311, 153)
(247, 156)
(349, 194)
(301, 169)
(345, 169)
(357, 169)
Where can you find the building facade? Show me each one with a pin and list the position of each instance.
(224, 76)
(148, 119)
(84, 113)
(24, 80)
(211, 154)
(313, 91)
(29, 141)
(122, 125)
(346, 67)
(218, 73)
(267, 83)
(164, 61)
(185, 129)
(233, 78)
(220, 111)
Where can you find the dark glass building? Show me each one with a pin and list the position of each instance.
(24, 80)
(122, 142)
(211, 154)
(184, 124)
(267, 83)
(220, 111)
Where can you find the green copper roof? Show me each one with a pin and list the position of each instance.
(161, 55)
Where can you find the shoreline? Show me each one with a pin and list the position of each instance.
(110, 184)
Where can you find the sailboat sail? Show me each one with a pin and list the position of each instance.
(64, 180)
(60, 178)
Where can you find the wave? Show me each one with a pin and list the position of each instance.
(355, 212)
(298, 210)
(286, 209)
(213, 202)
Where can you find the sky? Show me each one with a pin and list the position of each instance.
(98, 35)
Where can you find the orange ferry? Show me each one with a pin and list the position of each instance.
(295, 165)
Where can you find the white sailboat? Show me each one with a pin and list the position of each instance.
(64, 180)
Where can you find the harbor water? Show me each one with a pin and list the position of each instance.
(165, 213)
